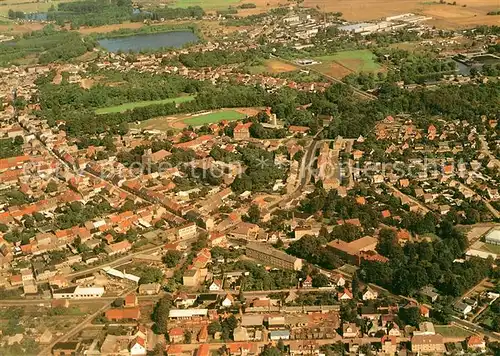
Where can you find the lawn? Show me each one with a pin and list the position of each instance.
(206, 4)
(140, 104)
(343, 63)
(229, 115)
(492, 248)
(452, 331)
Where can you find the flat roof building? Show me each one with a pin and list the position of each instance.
(493, 236)
(272, 256)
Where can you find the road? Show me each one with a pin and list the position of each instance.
(413, 200)
(492, 210)
(333, 79)
(486, 150)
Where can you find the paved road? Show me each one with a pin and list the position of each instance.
(415, 201)
(486, 150)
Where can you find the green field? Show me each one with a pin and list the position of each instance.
(140, 104)
(361, 60)
(211, 118)
(452, 331)
(212, 4)
(492, 248)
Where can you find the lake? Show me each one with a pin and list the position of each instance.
(136, 43)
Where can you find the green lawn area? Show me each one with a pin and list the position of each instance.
(492, 248)
(361, 60)
(451, 331)
(140, 104)
(229, 115)
(206, 4)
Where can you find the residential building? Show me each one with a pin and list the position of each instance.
(272, 256)
(149, 288)
(476, 342)
(187, 231)
(123, 314)
(176, 335)
(427, 344)
(370, 294)
(350, 330)
(242, 131)
(240, 333)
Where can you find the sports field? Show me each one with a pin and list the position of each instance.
(140, 104)
(180, 122)
(229, 115)
(340, 64)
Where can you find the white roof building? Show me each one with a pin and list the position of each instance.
(493, 236)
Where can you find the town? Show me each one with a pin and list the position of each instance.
(284, 182)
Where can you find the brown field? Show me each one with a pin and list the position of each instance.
(276, 66)
(444, 16)
(333, 69)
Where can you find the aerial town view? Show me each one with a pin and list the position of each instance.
(249, 177)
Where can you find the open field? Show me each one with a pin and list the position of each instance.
(343, 63)
(273, 66)
(229, 115)
(182, 121)
(139, 104)
(27, 6)
(450, 331)
(210, 4)
(492, 248)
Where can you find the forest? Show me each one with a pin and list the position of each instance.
(48, 45)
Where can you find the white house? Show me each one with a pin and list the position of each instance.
(138, 347)
(228, 301)
(370, 294)
(338, 280)
(215, 286)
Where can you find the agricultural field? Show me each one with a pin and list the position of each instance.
(207, 4)
(343, 63)
(140, 104)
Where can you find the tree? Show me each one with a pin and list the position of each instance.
(150, 275)
(320, 280)
(355, 285)
(172, 258)
(18, 140)
(214, 327)
(160, 315)
(187, 336)
(410, 316)
(270, 351)
(253, 214)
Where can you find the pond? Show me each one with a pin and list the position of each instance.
(486, 59)
(136, 43)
